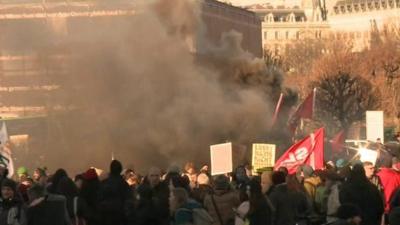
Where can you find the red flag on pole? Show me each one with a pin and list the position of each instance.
(308, 151)
(305, 110)
(277, 109)
(338, 141)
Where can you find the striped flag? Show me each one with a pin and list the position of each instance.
(5, 151)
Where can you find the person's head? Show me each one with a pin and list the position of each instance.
(67, 187)
(190, 168)
(79, 181)
(177, 198)
(90, 174)
(8, 189)
(278, 177)
(241, 175)
(396, 164)
(357, 174)
(284, 170)
(331, 178)
(203, 179)
(266, 180)
(22, 173)
(131, 177)
(36, 191)
(379, 141)
(115, 168)
(39, 173)
(221, 182)
(369, 169)
(349, 212)
(303, 172)
(293, 184)
(154, 176)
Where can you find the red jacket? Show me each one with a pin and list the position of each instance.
(391, 181)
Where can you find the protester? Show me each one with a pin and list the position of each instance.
(191, 174)
(394, 217)
(289, 200)
(390, 181)
(332, 183)
(160, 195)
(55, 179)
(222, 201)
(181, 207)
(12, 210)
(46, 209)
(240, 177)
(244, 207)
(89, 193)
(39, 176)
(203, 188)
(113, 194)
(261, 209)
(359, 191)
(372, 177)
(266, 181)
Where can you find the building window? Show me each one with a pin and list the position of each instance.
(287, 34)
(297, 35)
(265, 35)
(276, 35)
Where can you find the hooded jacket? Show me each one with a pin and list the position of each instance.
(226, 201)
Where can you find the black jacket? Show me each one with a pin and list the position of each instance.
(48, 210)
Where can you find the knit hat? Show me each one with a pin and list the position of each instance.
(203, 179)
(307, 170)
(340, 163)
(348, 211)
(22, 171)
(174, 169)
(9, 183)
(221, 182)
(90, 174)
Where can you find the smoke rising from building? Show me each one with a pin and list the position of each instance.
(133, 87)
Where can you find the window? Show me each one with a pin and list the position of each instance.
(287, 34)
(297, 35)
(265, 35)
(276, 35)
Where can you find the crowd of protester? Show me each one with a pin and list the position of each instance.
(341, 194)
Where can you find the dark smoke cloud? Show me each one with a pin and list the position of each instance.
(134, 88)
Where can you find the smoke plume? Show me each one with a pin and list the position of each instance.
(134, 88)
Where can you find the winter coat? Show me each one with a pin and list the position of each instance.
(48, 210)
(12, 212)
(367, 197)
(113, 194)
(311, 184)
(291, 207)
(391, 181)
(262, 215)
(160, 198)
(241, 213)
(184, 215)
(226, 201)
(199, 193)
(333, 202)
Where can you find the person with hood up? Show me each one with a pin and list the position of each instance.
(332, 183)
(305, 175)
(39, 176)
(113, 194)
(261, 209)
(12, 210)
(358, 190)
(89, 193)
(222, 201)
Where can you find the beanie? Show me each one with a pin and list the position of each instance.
(90, 174)
(22, 171)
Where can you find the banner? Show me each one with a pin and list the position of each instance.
(305, 110)
(221, 158)
(263, 155)
(337, 142)
(5, 151)
(308, 151)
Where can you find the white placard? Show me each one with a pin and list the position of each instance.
(221, 158)
(375, 125)
(368, 155)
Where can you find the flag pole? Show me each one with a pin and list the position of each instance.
(313, 104)
(277, 108)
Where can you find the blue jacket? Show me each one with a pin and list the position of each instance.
(184, 214)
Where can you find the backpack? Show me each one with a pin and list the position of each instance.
(200, 216)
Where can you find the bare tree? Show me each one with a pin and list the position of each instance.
(344, 98)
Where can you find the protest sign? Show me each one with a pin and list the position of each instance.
(263, 156)
(221, 158)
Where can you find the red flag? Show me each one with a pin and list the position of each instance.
(338, 141)
(277, 109)
(308, 151)
(305, 110)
